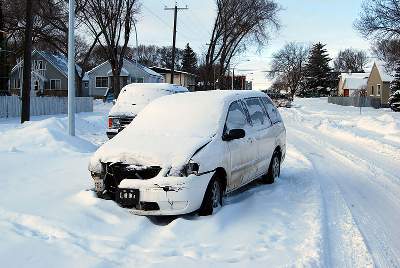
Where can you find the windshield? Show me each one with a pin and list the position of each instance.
(179, 115)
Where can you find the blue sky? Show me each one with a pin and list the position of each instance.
(306, 21)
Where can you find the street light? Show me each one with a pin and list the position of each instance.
(71, 68)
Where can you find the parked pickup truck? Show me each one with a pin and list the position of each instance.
(132, 99)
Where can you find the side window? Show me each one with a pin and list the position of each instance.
(257, 114)
(272, 111)
(236, 117)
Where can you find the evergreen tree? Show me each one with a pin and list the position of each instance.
(317, 71)
(189, 61)
(394, 100)
(395, 84)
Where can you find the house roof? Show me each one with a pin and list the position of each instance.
(167, 70)
(385, 75)
(355, 83)
(355, 80)
(138, 65)
(59, 61)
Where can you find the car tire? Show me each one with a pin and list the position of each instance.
(212, 197)
(274, 169)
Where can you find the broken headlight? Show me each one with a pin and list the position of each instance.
(186, 170)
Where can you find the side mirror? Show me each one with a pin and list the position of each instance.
(234, 134)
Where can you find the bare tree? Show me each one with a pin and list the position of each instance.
(239, 23)
(288, 66)
(379, 19)
(388, 51)
(350, 60)
(114, 19)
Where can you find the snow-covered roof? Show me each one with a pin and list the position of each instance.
(138, 65)
(167, 70)
(124, 72)
(385, 75)
(354, 75)
(59, 61)
(355, 83)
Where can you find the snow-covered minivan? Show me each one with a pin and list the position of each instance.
(184, 152)
(132, 99)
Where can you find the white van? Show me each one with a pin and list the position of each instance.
(182, 153)
(132, 99)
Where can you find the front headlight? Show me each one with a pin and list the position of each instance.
(188, 169)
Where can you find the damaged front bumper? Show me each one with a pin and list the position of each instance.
(166, 195)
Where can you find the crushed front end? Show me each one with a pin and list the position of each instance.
(148, 190)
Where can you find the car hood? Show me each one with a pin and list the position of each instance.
(126, 109)
(147, 150)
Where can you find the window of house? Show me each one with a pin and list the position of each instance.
(86, 84)
(55, 84)
(38, 65)
(372, 91)
(17, 83)
(378, 89)
(102, 81)
(137, 79)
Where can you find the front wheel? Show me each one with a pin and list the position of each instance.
(274, 169)
(212, 198)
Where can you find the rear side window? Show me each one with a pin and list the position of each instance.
(256, 111)
(272, 111)
(236, 117)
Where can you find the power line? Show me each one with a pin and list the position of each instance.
(175, 9)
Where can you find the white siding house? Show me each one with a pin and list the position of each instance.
(98, 80)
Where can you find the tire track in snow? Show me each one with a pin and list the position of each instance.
(381, 244)
(343, 242)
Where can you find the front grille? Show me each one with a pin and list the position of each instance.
(116, 172)
(124, 121)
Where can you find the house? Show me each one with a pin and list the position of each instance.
(379, 82)
(181, 78)
(351, 83)
(49, 75)
(97, 81)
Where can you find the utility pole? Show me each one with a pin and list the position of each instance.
(71, 68)
(26, 83)
(175, 9)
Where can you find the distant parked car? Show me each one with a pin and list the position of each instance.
(394, 101)
(132, 99)
(183, 152)
(281, 100)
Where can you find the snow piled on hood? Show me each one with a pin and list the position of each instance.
(166, 133)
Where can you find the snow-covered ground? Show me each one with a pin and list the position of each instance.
(337, 203)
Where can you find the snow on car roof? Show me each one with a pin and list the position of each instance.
(192, 114)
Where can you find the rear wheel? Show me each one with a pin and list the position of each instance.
(274, 169)
(212, 198)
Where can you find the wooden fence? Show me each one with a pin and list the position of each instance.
(10, 106)
(357, 101)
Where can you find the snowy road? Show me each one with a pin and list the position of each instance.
(337, 203)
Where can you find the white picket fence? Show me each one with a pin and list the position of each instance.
(10, 106)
